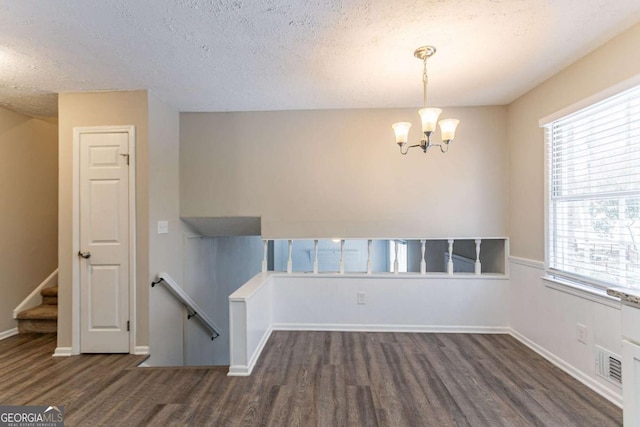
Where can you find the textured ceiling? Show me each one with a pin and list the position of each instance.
(235, 55)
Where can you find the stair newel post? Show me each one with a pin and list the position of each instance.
(315, 256)
(341, 256)
(450, 263)
(369, 248)
(423, 261)
(264, 255)
(478, 266)
(396, 268)
(289, 260)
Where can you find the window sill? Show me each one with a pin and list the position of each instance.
(582, 291)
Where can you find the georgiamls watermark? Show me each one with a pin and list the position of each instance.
(31, 416)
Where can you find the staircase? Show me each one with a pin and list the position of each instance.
(42, 319)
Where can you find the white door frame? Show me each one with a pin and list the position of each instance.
(75, 271)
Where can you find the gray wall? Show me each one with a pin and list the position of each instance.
(164, 313)
(214, 269)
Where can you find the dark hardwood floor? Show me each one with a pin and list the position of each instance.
(312, 379)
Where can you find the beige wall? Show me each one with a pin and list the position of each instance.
(612, 63)
(102, 109)
(339, 173)
(29, 208)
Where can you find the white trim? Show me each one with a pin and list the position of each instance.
(245, 371)
(31, 301)
(507, 255)
(582, 291)
(527, 262)
(75, 247)
(439, 329)
(264, 237)
(141, 350)
(391, 275)
(133, 252)
(144, 365)
(603, 391)
(590, 100)
(75, 230)
(8, 333)
(63, 352)
(619, 94)
(245, 292)
(545, 201)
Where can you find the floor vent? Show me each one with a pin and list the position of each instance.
(608, 365)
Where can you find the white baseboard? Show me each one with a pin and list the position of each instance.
(603, 391)
(141, 350)
(62, 352)
(245, 371)
(238, 371)
(8, 333)
(391, 328)
(143, 365)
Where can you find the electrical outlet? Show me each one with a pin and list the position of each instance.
(581, 333)
(361, 297)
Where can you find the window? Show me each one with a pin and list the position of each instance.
(593, 193)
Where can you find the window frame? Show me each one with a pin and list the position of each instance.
(554, 274)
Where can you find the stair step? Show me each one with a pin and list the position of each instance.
(50, 292)
(50, 295)
(41, 312)
(29, 326)
(50, 300)
(42, 319)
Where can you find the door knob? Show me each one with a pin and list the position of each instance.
(84, 254)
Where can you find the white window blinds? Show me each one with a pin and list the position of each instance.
(593, 197)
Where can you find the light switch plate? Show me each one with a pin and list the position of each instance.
(163, 227)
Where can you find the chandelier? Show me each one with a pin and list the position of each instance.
(428, 116)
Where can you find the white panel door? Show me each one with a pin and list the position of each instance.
(104, 242)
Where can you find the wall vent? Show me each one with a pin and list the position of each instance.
(608, 365)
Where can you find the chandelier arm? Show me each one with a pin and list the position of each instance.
(408, 147)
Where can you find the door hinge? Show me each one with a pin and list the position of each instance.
(128, 325)
(126, 156)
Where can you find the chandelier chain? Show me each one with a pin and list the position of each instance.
(425, 82)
